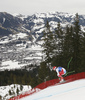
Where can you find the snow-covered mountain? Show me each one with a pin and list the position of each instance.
(36, 22)
(20, 36)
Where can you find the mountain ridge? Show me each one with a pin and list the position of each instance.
(35, 23)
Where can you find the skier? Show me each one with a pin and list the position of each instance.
(60, 71)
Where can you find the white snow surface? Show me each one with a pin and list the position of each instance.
(69, 91)
(13, 37)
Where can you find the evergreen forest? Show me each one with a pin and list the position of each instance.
(60, 45)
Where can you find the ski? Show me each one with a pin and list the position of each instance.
(69, 73)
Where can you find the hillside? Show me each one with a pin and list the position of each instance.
(20, 42)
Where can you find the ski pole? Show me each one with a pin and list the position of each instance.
(69, 63)
(68, 67)
(69, 72)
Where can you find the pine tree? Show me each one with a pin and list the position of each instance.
(21, 87)
(33, 82)
(67, 45)
(10, 93)
(59, 37)
(82, 53)
(17, 91)
(14, 79)
(76, 44)
(43, 73)
(48, 44)
(72, 44)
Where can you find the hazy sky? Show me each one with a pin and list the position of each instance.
(28, 7)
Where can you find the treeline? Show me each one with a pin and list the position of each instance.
(25, 77)
(22, 77)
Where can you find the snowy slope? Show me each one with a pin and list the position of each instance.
(70, 91)
(17, 51)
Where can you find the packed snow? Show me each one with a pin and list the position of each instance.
(69, 91)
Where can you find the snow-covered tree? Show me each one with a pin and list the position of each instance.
(48, 44)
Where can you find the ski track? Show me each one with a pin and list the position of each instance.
(59, 93)
(75, 88)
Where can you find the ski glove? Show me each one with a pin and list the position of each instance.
(59, 75)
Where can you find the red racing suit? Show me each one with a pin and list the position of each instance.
(60, 71)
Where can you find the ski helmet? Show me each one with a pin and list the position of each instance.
(54, 67)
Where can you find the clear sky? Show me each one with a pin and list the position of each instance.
(28, 7)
